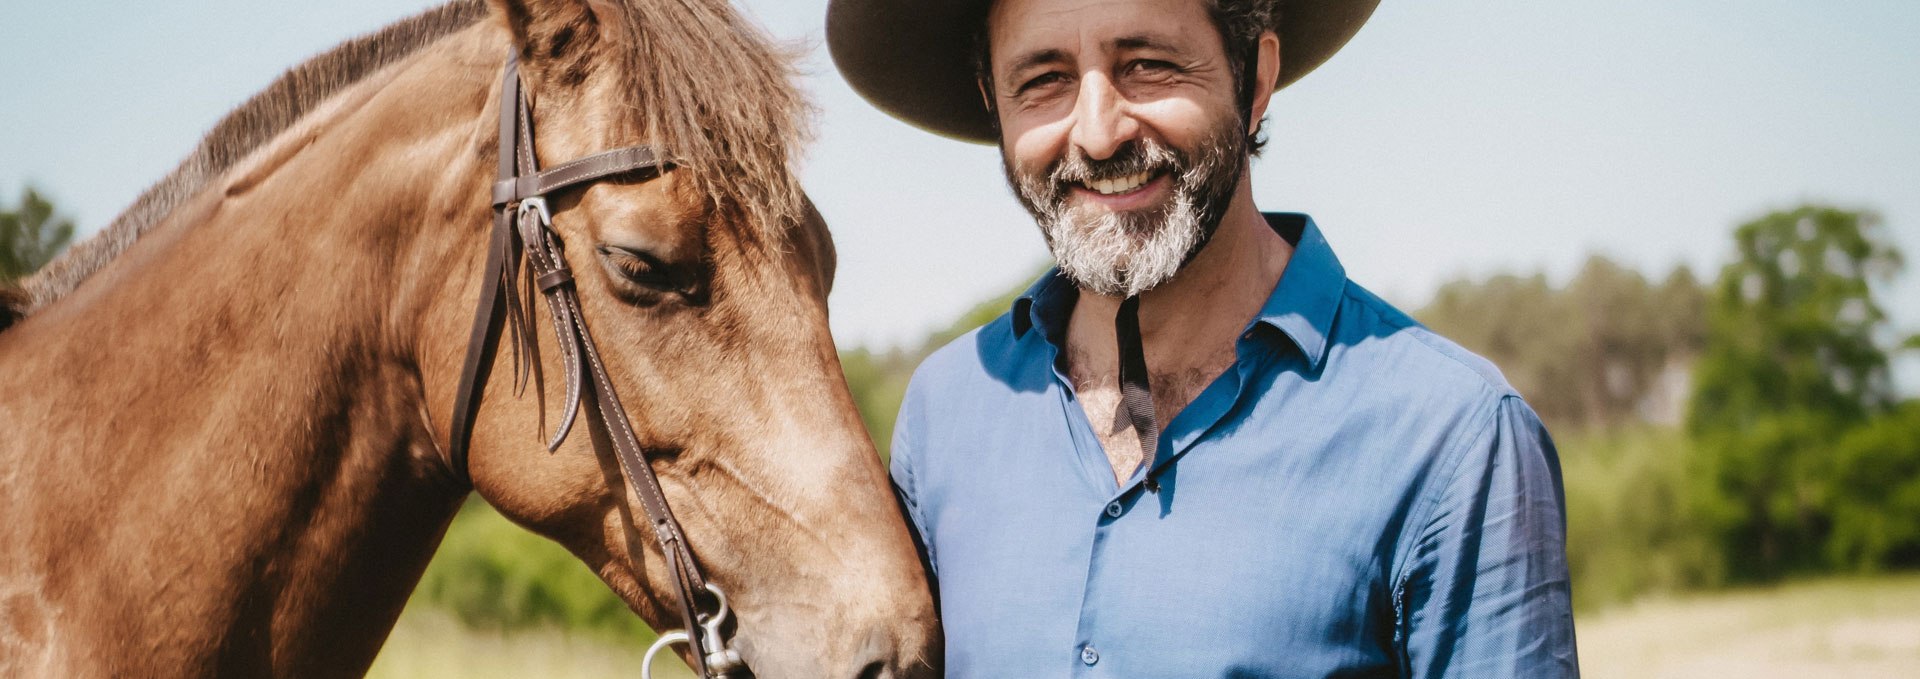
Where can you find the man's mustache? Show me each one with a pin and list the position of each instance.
(1133, 158)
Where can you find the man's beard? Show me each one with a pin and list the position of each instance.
(1122, 254)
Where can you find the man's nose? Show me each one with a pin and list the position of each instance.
(1101, 123)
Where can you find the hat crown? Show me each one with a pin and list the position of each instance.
(912, 58)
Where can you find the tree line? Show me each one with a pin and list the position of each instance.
(1736, 430)
(1742, 428)
(31, 233)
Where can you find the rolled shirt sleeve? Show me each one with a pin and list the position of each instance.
(1485, 591)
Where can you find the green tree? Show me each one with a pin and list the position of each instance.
(1876, 510)
(1589, 355)
(1791, 365)
(1523, 325)
(30, 235)
(1628, 332)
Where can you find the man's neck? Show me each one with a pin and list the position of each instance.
(1192, 317)
(1188, 326)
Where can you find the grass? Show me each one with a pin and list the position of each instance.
(1632, 530)
(430, 643)
(1832, 629)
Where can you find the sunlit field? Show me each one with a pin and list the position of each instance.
(431, 644)
(1830, 629)
(1834, 629)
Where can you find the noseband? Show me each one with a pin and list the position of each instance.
(523, 229)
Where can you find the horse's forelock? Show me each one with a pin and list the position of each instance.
(719, 95)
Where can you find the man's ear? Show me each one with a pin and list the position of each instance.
(1266, 76)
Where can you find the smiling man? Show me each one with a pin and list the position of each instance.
(1196, 448)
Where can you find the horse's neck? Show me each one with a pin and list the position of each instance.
(218, 450)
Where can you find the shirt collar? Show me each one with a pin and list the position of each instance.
(1045, 303)
(1301, 306)
(1303, 303)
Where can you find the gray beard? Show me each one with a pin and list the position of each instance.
(1123, 254)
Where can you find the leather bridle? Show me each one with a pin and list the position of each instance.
(523, 229)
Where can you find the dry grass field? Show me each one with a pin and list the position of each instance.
(1830, 629)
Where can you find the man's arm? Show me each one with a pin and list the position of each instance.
(1484, 593)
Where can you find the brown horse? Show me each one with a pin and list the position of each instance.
(224, 423)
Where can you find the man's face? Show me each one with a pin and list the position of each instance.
(1119, 131)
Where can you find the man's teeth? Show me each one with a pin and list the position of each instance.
(1119, 184)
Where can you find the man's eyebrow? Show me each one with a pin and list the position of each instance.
(1051, 56)
(1036, 58)
(1145, 41)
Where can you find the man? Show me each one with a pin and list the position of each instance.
(1195, 448)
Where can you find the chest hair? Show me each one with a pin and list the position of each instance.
(1097, 386)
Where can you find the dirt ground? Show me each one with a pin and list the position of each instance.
(1845, 629)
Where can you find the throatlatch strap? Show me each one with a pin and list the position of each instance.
(1136, 393)
(502, 253)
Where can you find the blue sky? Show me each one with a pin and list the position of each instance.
(1464, 137)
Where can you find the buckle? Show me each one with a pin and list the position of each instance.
(538, 206)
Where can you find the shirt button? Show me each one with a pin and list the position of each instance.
(1115, 510)
(1088, 655)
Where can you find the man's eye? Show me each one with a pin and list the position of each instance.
(1150, 66)
(1042, 80)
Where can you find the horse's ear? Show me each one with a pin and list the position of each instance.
(547, 29)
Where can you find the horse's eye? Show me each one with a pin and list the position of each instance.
(640, 268)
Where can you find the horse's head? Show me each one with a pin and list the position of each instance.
(705, 288)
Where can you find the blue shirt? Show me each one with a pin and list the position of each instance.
(1355, 497)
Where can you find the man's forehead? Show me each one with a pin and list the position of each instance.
(1029, 26)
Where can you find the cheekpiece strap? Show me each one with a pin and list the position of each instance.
(523, 232)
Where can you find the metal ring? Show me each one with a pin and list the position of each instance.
(665, 640)
(722, 660)
(725, 659)
(720, 613)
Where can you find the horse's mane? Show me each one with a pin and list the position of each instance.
(243, 130)
(716, 93)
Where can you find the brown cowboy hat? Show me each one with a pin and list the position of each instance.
(911, 58)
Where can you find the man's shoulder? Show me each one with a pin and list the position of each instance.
(982, 359)
(971, 356)
(1408, 355)
(978, 379)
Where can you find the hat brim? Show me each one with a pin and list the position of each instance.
(911, 58)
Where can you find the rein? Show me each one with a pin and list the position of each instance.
(523, 231)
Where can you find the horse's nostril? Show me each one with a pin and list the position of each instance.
(879, 648)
